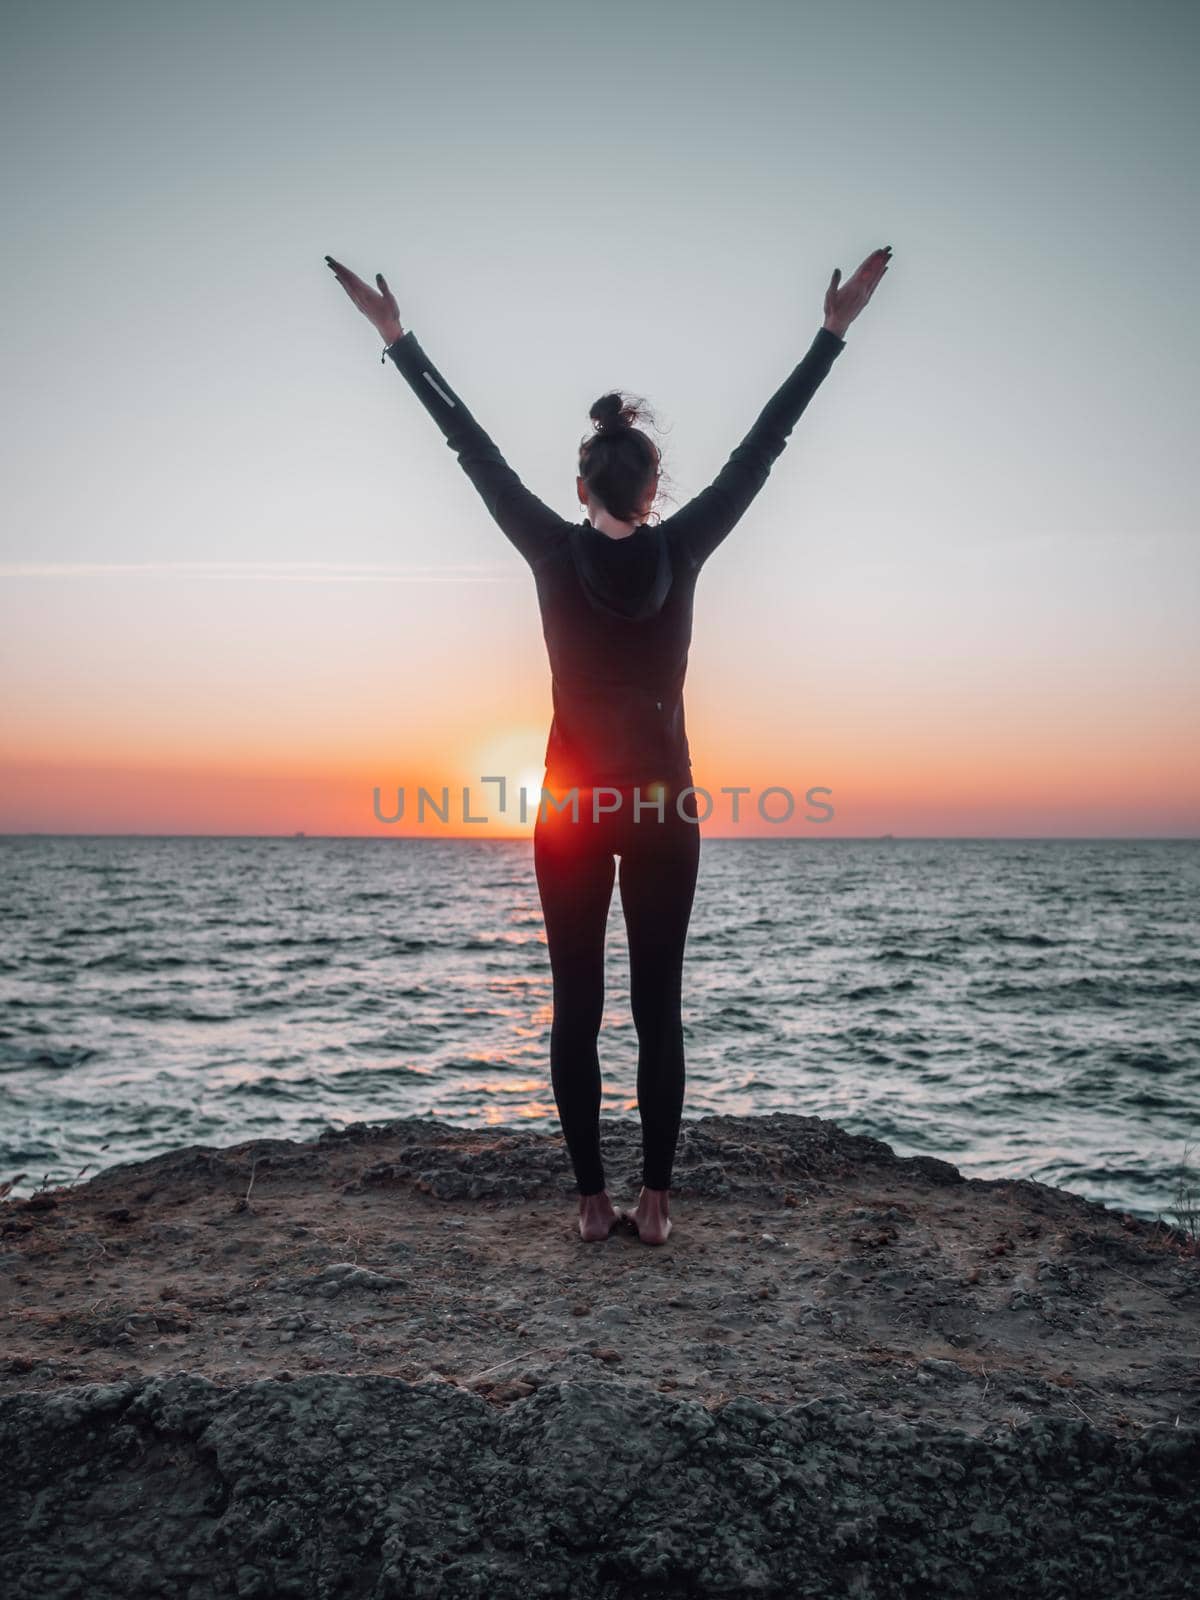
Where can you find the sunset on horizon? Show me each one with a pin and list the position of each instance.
(245, 583)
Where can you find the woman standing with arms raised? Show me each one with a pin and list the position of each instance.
(615, 592)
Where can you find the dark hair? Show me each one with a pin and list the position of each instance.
(618, 460)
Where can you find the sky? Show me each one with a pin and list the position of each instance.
(244, 585)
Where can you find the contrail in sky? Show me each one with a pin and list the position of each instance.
(265, 571)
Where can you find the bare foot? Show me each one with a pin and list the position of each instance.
(650, 1217)
(597, 1216)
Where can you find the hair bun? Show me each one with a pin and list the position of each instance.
(608, 414)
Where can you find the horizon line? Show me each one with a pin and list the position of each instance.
(727, 838)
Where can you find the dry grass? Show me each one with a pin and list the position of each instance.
(1187, 1205)
(45, 1187)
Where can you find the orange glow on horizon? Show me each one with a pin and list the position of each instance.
(961, 795)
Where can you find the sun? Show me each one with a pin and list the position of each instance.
(530, 784)
(514, 754)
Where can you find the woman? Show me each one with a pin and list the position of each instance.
(615, 593)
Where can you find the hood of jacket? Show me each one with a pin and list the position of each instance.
(629, 578)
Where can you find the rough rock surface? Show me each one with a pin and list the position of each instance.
(385, 1363)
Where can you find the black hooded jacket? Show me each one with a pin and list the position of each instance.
(617, 613)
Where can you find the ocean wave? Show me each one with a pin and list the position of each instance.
(873, 991)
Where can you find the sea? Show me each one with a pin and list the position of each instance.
(1021, 1008)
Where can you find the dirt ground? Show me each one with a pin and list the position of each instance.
(803, 1262)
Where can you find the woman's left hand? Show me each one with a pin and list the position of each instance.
(843, 303)
(379, 307)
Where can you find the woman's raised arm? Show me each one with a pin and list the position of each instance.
(525, 520)
(699, 527)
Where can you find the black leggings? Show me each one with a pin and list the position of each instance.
(575, 869)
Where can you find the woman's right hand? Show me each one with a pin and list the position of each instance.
(379, 307)
(843, 304)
